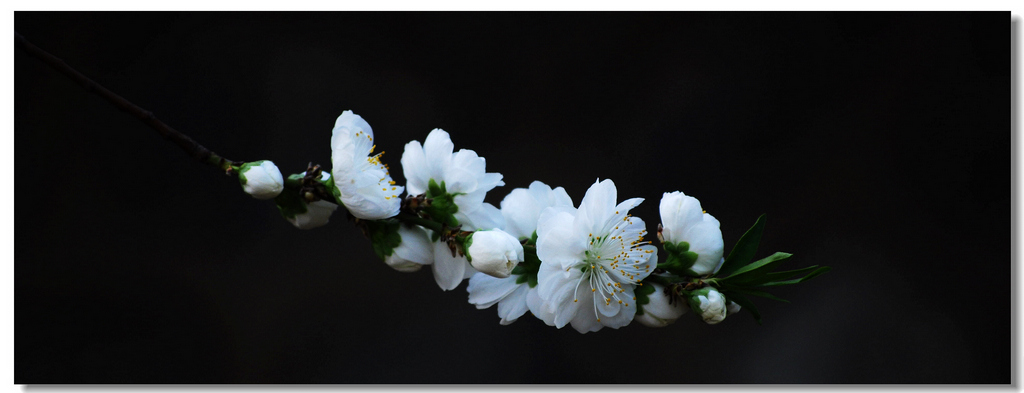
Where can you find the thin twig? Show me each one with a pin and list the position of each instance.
(190, 146)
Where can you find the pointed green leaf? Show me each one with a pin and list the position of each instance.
(759, 268)
(752, 292)
(748, 280)
(744, 249)
(790, 273)
(809, 276)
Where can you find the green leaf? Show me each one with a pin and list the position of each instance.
(768, 277)
(744, 249)
(642, 293)
(757, 269)
(745, 303)
(789, 273)
(753, 292)
(819, 271)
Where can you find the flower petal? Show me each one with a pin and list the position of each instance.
(678, 212)
(514, 305)
(448, 271)
(538, 308)
(556, 243)
(438, 149)
(485, 291)
(414, 167)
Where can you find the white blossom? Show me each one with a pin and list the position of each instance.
(663, 308)
(591, 260)
(261, 179)
(494, 252)
(521, 208)
(463, 172)
(464, 175)
(683, 220)
(363, 180)
(413, 252)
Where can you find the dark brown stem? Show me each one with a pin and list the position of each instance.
(190, 146)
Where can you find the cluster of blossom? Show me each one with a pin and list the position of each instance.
(588, 266)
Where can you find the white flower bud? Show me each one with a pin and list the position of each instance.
(413, 252)
(710, 304)
(261, 179)
(662, 310)
(495, 252)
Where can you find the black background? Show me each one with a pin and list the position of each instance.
(876, 143)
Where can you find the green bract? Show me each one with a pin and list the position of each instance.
(442, 205)
(642, 293)
(528, 268)
(383, 236)
(680, 259)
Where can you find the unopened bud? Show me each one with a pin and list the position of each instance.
(494, 252)
(709, 303)
(261, 179)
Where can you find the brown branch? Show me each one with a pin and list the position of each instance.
(190, 146)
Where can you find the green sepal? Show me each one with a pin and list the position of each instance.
(528, 268)
(744, 249)
(290, 204)
(465, 242)
(643, 293)
(680, 259)
(332, 188)
(244, 168)
(383, 236)
(442, 206)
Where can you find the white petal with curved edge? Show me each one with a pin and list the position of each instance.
(520, 211)
(438, 149)
(448, 271)
(416, 245)
(485, 291)
(514, 305)
(678, 212)
(598, 204)
(556, 243)
(706, 241)
(485, 217)
(538, 308)
(414, 167)
(626, 312)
